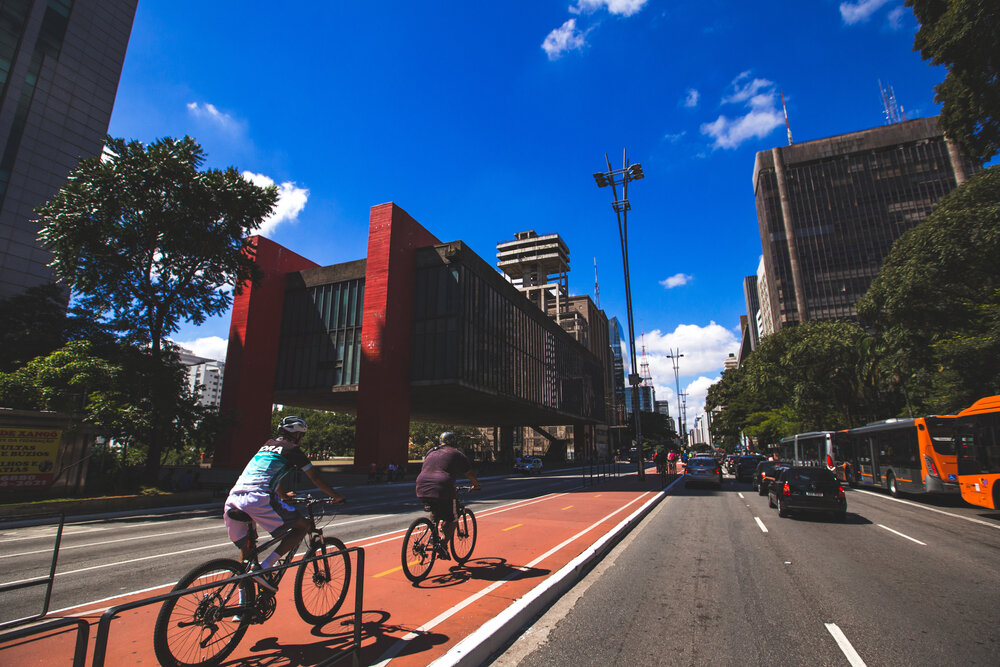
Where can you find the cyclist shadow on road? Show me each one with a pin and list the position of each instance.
(335, 636)
(481, 569)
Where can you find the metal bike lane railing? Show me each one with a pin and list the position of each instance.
(600, 471)
(46, 581)
(104, 625)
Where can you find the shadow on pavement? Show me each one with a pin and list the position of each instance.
(481, 569)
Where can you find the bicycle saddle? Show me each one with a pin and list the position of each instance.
(238, 515)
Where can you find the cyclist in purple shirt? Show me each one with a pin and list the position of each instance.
(436, 485)
(259, 493)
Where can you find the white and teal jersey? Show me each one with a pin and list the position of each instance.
(273, 461)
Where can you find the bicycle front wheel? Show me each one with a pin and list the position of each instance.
(204, 627)
(418, 550)
(464, 540)
(321, 586)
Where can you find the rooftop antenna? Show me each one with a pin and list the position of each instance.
(647, 378)
(785, 110)
(890, 108)
(597, 287)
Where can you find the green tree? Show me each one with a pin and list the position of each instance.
(147, 241)
(964, 36)
(329, 434)
(936, 302)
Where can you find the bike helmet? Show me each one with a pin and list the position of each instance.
(449, 438)
(293, 425)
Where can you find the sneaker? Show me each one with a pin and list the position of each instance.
(261, 580)
(442, 552)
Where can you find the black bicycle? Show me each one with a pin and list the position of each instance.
(204, 627)
(423, 540)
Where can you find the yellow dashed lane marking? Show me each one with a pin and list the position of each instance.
(567, 507)
(395, 569)
(516, 525)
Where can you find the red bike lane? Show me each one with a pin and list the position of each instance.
(519, 548)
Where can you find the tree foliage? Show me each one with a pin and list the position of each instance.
(964, 36)
(329, 434)
(936, 302)
(146, 241)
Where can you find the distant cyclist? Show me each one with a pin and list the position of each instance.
(259, 493)
(435, 484)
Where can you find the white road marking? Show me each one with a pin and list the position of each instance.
(929, 509)
(901, 535)
(845, 645)
(401, 643)
(760, 523)
(739, 494)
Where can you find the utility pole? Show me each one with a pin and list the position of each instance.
(675, 356)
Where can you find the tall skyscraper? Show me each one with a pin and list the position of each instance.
(829, 211)
(60, 61)
(751, 296)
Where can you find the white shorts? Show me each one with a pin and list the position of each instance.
(267, 509)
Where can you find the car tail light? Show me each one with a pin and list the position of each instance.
(840, 493)
(931, 468)
(787, 490)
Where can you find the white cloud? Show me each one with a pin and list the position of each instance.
(564, 38)
(676, 280)
(860, 11)
(760, 97)
(704, 349)
(211, 347)
(210, 113)
(691, 101)
(291, 200)
(674, 138)
(896, 18)
(619, 7)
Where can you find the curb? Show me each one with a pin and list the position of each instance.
(495, 634)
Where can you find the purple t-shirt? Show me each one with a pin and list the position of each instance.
(437, 475)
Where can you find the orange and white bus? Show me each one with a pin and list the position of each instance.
(907, 455)
(977, 438)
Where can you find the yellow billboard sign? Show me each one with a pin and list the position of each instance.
(28, 456)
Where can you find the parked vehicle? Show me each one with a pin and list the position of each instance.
(703, 470)
(808, 489)
(766, 472)
(745, 466)
(529, 465)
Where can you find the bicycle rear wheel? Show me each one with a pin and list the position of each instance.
(418, 550)
(321, 586)
(464, 540)
(203, 628)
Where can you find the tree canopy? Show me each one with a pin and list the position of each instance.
(145, 241)
(936, 302)
(964, 36)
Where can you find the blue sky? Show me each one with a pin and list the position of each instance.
(485, 119)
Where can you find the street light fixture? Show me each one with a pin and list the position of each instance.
(614, 178)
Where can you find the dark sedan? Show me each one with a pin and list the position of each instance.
(745, 466)
(766, 472)
(807, 489)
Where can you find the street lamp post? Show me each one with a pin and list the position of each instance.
(675, 357)
(614, 178)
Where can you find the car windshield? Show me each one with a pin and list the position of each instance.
(701, 462)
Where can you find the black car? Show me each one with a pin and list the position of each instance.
(809, 489)
(765, 473)
(746, 466)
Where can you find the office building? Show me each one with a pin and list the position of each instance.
(204, 377)
(60, 61)
(829, 211)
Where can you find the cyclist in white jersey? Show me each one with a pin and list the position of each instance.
(259, 492)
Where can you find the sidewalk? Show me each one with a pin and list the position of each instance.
(527, 555)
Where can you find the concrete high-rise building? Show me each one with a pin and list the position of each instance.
(60, 61)
(829, 211)
(204, 376)
(751, 296)
(765, 323)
